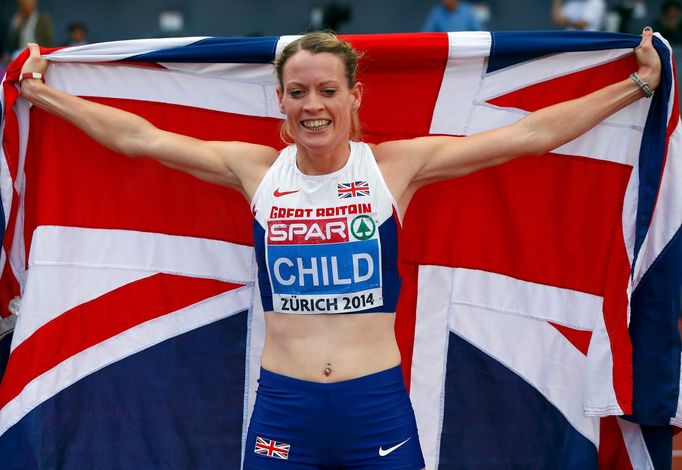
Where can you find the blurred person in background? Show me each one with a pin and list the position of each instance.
(579, 14)
(78, 34)
(452, 15)
(330, 18)
(632, 15)
(668, 23)
(30, 25)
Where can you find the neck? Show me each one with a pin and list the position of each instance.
(323, 163)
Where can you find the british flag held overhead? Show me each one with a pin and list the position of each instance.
(539, 302)
(271, 448)
(353, 189)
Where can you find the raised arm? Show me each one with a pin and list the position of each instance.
(238, 165)
(410, 164)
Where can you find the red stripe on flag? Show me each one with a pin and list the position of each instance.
(578, 338)
(401, 108)
(9, 288)
(567, 87)
(615, 311)
(100, 319)
(76, 182)
(613, 454)
(513, 220)
(406, 318)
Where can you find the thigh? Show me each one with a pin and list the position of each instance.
(377, 429)
(285, 431)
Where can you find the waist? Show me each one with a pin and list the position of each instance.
(387, 377)
(303, 346)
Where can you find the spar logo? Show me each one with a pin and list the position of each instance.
(308, 232)
(363, 227)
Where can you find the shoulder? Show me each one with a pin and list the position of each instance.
(396, 150)
(245, 152)
(248, 162)
(399, 159)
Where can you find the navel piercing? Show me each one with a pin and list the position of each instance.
(327, 370)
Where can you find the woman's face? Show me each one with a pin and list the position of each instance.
(318, 102)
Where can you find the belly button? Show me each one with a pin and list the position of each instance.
(327, 370)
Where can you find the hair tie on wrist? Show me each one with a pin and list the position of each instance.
(644, 86)
(28, 75)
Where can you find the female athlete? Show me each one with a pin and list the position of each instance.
(331, 393)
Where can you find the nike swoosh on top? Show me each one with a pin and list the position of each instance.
(279, 193)
(384, 453)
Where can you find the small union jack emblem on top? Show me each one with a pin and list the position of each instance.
(271, 448)
(352, 189)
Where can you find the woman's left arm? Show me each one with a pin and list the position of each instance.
(411, 164)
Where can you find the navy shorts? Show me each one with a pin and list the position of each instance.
(362, 423)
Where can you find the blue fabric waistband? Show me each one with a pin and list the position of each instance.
(378, 379)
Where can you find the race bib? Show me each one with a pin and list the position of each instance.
(324, 264)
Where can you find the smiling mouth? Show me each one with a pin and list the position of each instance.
(316, 125)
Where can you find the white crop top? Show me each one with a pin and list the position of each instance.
(326, 243)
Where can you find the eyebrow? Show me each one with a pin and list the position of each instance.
(324, 83)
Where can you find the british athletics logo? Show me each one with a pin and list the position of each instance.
(272, 448)
(353, 189)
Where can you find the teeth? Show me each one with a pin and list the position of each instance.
(316, 125)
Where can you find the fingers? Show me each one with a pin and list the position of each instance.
(35, 61)
(33, 49)
(647, 36)
(648, 61)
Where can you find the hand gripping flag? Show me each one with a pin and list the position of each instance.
(537, 321)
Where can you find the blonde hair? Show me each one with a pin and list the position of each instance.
(316, 43)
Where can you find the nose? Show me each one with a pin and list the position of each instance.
(312, 103)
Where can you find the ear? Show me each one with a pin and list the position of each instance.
(356, 93)
(279, 95)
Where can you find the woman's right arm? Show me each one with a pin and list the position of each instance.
(221, 163)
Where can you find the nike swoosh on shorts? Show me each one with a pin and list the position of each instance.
(384, 453)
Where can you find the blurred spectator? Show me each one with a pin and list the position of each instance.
(30, 25)
(669, 24)
(452, 15)
(632, 15)
(579, 14)
(335, 15)
(78, 34)
(330, 18)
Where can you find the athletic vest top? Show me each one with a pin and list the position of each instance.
(326, 243)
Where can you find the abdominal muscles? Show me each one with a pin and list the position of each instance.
(331, 347)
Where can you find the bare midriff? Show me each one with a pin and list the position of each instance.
(329, 348)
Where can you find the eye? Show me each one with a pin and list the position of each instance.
(329, 91)
(296, 93)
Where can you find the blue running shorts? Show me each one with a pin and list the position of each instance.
(362, 423)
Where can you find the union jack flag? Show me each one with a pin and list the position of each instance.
(353, 189)
(134, 287)
(272, 448)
